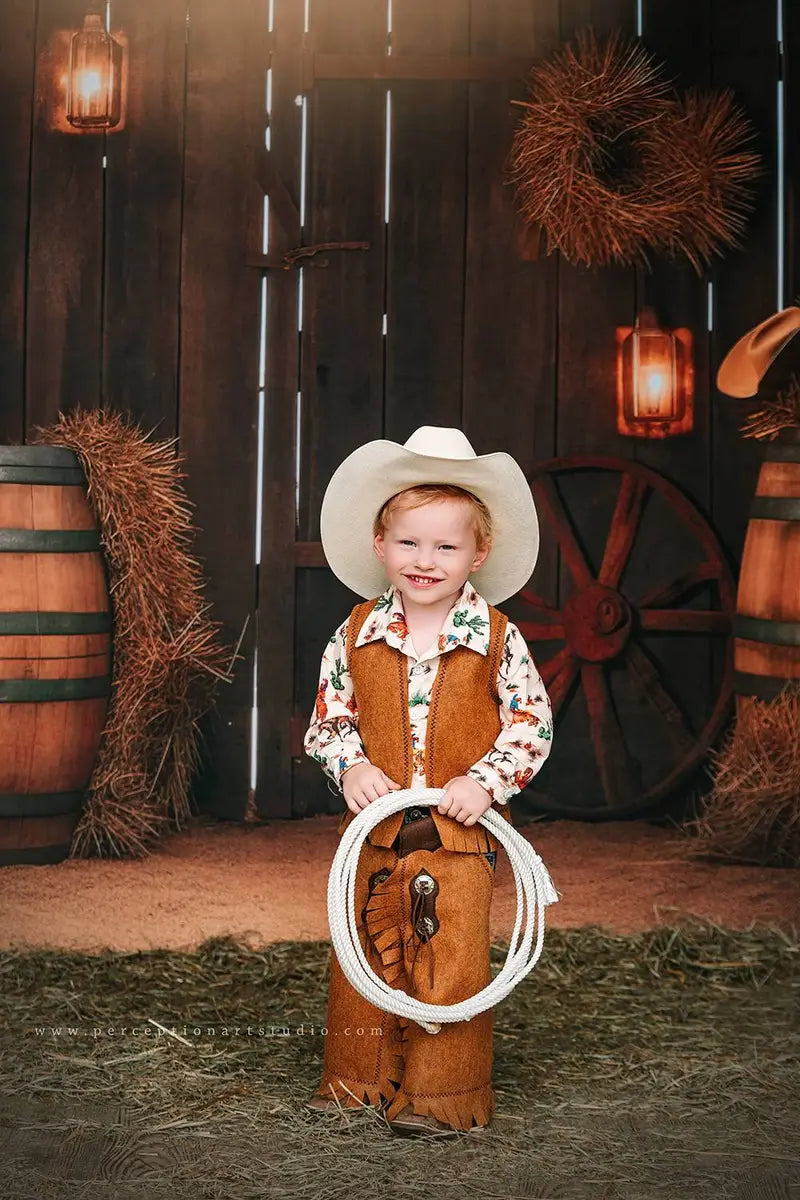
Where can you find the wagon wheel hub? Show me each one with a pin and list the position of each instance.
(597, 623)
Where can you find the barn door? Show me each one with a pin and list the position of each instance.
(387, 135)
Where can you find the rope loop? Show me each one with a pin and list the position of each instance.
(534, 892)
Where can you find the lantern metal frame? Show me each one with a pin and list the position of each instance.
(657, 426)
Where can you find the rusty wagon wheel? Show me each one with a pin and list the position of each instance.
(609, 625)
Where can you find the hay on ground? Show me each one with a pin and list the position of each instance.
(664, 1064)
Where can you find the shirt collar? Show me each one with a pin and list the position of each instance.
(467, 623)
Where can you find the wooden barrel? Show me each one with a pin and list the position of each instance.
(767, 622)
(55, 650)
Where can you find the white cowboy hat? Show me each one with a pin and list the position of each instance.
(377, 470)
(745, 365)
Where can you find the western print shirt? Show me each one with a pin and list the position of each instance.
(524, 741)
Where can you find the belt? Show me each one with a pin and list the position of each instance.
(418, 832)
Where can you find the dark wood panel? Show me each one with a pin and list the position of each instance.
(219, 351)
(342, 337)
(745, 280)
(276, 593)
(408, 66)
(143, 219)
(16, 89)
(592, 301)
(66, 240)
(509, 310)
(425, 282)
(791, 208)
(342, 340)
(679, 33)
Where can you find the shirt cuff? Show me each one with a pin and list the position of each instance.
(495, 784)
(338, 764)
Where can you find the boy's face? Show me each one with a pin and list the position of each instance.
(435, 541)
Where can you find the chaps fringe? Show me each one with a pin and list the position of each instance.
(384, 919)
(460, 1112)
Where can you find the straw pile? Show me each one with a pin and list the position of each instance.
(752, 814)
(167, 660)
(665, 1064)
(781, 412)
(611, 163)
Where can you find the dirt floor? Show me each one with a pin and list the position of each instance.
(267, 883)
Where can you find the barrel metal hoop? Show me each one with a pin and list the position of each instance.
(40, 541)
(47, 623)
(761, 629)
(39, 804)
(38, 456)
(761, 687)
(788, 453)
(55, 476)
(775, 508)
(39, 691)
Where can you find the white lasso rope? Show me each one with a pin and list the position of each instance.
(533, 884)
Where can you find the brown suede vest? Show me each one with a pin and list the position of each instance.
(463, 722)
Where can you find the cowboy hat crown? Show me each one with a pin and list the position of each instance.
(378, 470)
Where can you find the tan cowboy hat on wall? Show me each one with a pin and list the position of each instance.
(366, 479)
(745, 365)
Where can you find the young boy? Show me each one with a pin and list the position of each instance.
(425, 685)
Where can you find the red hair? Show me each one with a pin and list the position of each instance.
(430, 493)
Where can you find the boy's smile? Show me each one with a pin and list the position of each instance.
(428, 554)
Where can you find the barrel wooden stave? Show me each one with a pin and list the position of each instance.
(767, 623)
(55, 653)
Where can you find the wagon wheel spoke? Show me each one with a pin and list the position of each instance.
(553, 667)
(647, 682)
(624, 523)
(663, 597)
(535, 601)
(540, 631)
(550, 502)
(559, 689)
(684, 620)
(619, 773)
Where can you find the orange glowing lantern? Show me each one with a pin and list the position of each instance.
(655, 379)
(94, 83)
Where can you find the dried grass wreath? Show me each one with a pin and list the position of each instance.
(611, 163)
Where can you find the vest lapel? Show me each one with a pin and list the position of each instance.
(463, 722)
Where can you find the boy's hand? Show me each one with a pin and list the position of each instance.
(363, 783)
(465, 800)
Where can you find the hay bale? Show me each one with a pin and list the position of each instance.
(167, 660)
(752, 814)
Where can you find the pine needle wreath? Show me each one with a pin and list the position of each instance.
(167, 661)
(707, 173)
(610, 163)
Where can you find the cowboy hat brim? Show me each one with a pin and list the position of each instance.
(372, 473)
(746, 363)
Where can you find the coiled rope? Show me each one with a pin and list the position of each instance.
(534, 891)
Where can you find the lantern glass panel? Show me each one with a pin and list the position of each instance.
(95, 75)
(652, 390)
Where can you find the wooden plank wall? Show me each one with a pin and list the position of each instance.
(126, 282)
(122, 260)
(517, 350)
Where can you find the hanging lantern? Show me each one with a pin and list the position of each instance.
(94, 83)
(654, 379)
